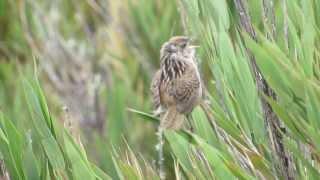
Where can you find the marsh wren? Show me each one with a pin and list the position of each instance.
(176, 87)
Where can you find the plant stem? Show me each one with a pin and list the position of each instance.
(159, 148)
(271, 119)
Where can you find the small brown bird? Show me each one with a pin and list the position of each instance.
(176, 86)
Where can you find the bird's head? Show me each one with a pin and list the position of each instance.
(177, 45)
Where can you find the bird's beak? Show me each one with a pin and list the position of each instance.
(194, 46)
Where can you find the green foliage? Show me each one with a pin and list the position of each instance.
(229, 137)
(57, 158)
(152, 22)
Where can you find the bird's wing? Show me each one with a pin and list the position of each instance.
(155, 90)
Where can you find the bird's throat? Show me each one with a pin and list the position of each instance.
(172, 68)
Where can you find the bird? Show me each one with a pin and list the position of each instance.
(176, 86)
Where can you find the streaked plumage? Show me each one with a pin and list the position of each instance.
(176, 86)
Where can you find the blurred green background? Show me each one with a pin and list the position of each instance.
(70, 71)
(94, 60)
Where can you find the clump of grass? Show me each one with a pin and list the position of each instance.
(230, 139)
(49, 149)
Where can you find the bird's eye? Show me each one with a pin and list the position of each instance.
(184, 45)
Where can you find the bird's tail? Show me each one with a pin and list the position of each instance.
(172, 119)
